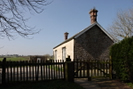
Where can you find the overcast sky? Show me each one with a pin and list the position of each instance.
(59, 17)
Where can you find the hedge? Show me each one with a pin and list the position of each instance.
(122, 59)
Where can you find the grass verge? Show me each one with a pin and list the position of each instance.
(130, 84)
(54, 84)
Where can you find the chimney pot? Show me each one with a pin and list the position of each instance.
(66, 35)
(93, 15)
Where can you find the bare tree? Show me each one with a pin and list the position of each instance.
(12, 19)
(122, 27)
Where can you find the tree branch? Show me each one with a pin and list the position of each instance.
(12, 20)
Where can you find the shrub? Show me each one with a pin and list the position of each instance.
(122, 59)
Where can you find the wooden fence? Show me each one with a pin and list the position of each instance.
(13, 71)
(92, 68)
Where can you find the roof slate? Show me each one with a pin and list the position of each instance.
(86, 29)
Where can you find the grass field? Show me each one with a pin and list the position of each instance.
(16, 58)
(54, 84)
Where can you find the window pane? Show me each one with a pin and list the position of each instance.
(64, 53)
(55, 55)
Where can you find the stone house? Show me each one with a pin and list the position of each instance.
(91, 43)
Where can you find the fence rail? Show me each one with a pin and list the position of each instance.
(13, 71)
(31, 71)
(92, 68)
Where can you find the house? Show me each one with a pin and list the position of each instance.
(92, 42)
(38, 58)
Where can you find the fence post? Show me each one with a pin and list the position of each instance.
(3, 71)
(88, 71)
(69, 70)
(110, 69)
(37, 70)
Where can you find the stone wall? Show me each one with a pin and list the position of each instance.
(93, 44)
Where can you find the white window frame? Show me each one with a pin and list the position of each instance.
(64, 53)
(55, 55)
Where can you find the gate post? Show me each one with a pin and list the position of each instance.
(69, 70)
(88, 71)
(3, 71)
(110, 69)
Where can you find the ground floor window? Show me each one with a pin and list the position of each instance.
(64, 53)
(55, 55)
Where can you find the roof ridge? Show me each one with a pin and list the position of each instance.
(86, 29)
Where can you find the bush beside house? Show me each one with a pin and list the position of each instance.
(122, 59)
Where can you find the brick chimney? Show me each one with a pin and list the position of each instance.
(93, 15)
(66, 35)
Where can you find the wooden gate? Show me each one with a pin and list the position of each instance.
(92, 68)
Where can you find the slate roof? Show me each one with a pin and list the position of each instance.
(86, 29)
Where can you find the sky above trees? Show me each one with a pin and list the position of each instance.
(59, 17)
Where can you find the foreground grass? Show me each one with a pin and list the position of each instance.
(54, 84)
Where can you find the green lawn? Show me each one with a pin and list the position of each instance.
(16, 58)
(54, 84)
